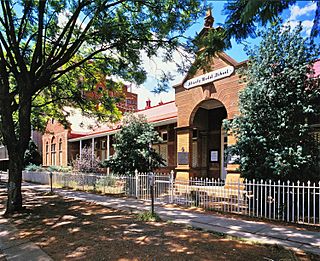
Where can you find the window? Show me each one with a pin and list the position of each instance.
(53, 152)
(163, 151)
(47, 153)
(164, 136)
(103, 144)
(194, 134)
(60, 152)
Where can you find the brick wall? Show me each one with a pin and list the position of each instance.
(223, 92)
(55, 133)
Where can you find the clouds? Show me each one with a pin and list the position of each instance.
(301, 14)
(144, 94)
(296, 11)
(155, 67)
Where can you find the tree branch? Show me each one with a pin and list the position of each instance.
(37, 54)
(75, 65)
(22, 26)
(9, 25)
(73, 19)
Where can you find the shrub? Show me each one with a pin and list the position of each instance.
(33, 167)
(59, 169)
(133, 150)
(273, 130)
(32, 155)
(88, 163)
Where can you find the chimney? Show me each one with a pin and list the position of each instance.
(148, 104)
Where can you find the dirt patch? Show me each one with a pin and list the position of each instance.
(74, 230)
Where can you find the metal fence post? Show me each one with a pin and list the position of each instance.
(171, 187)
(51, 190)
(151, 185)
(136, 174)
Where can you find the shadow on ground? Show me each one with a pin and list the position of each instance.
(69, 229)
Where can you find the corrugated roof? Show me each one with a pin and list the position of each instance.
(157, 113)
(160, 112)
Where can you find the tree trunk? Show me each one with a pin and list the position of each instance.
(14, 202)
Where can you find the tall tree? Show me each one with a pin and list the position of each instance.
(133, 147)
(274, 138)
(50, 51)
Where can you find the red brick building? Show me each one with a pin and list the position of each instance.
(128, 99)
(56, 149)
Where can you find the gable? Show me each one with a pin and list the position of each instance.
(54, 127)
(219, 64)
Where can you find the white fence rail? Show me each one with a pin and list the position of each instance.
(295, 202)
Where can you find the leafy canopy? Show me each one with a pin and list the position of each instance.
(281, 95)
(133, 147)
(52, 51)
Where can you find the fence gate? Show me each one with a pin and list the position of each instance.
(163, 187)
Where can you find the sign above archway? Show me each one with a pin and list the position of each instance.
(209, 77)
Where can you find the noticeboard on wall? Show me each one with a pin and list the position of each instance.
(214, 156)
(183, 158)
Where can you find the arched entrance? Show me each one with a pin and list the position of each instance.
(209, 140)
(203, 100)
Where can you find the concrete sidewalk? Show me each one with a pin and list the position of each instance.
(16, 249)
(261, 232)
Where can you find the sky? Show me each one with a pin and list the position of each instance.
(303, 12)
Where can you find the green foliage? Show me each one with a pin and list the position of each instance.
(32, 155)
(273, 132)
(59, 169)
(213, 41)
(242, 21)
(33, 167)
(53, 52)
(243, 16)
(147, 216)
(133, 150)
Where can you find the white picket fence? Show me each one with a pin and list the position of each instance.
(295, 202)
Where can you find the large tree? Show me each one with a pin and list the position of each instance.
(273, 132)
(50, 51)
